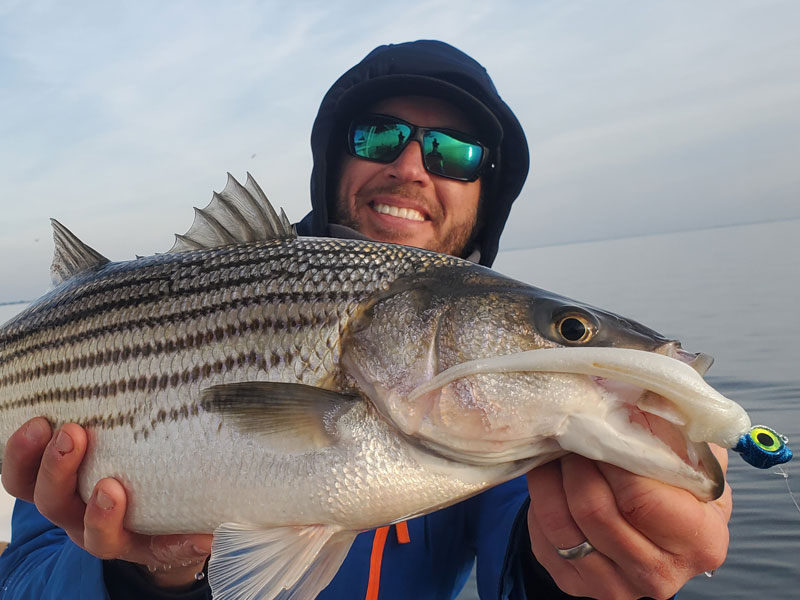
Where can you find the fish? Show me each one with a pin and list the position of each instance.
(287, 392)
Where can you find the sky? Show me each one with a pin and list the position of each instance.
(642, 116)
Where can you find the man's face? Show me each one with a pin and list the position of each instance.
(402, 203)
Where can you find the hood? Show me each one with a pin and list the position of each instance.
(428, 68)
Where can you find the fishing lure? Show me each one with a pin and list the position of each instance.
(763, 447)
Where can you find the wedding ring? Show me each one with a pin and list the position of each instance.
(578, 551)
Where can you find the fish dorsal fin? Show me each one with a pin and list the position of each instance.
(71, 255)
(238, 214)
(283, 563)
(292, 417)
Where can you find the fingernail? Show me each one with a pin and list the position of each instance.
(64, 443)
(36, 431)
(103, 500)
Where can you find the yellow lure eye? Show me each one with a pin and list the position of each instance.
(766, 439)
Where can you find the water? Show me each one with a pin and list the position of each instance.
(733, 293)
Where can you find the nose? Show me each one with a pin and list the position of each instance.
(408, 167)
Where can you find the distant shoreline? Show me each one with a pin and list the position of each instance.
(648, 234)
(13, 302)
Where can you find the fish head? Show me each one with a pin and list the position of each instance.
(431, 323)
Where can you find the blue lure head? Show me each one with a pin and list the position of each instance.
(763, 447)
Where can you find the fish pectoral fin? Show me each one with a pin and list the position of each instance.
(290, 563)
(71, 255)
(299, 417)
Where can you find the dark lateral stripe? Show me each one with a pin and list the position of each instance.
(153, 383)
(85, 307)
(121, 419)
(271, 261)
(147, 350)
(311, 262)
(333, 298)
(184, 411)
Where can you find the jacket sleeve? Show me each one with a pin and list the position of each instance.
(506, 568)
(496, 517)
(42, 563)
(522, 576)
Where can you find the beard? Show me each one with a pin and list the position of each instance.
(458, 241)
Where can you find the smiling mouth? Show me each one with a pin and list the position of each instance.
(409, 214)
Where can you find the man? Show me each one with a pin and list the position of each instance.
(413, 146)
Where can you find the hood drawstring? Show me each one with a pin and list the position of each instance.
(378, 544)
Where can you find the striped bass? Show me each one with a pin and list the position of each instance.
(286, 393)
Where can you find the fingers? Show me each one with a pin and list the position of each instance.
(182, 557)
(557, 517)
(42, 467)
(22, 456)
(56, 494)
(104, 534)
(672, 519)
(550, 508)
(172, 560)
(650, 538)
(592, 575)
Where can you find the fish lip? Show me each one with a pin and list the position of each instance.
(699, 361)
(671, 435)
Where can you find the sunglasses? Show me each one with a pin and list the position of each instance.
(445, 152)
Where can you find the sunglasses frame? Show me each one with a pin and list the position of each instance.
(417, 135)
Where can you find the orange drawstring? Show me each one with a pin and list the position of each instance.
(378, 544)
(401, 529)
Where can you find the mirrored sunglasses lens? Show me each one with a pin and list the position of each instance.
(380, 141)
(451, 157)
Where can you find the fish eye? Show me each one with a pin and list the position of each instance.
(766, 439)
(575, 329)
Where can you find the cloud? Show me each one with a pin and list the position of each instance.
(121, 116)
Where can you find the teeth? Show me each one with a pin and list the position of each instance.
(403, 213)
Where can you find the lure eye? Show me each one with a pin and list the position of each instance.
(766, 439)
(763, 447)
(575, 329)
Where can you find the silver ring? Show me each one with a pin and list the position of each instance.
(578, 551)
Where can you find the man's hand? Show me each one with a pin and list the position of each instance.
(43, 468)
(649, 538)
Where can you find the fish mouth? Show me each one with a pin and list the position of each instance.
(670, 455)
(658, 414)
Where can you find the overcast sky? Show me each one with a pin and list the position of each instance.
(643, 116)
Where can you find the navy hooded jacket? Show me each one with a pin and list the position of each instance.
(424, 67)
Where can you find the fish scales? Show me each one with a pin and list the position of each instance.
(132, 331)
(126, 350)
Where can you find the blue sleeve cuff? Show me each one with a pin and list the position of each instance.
(42, 563)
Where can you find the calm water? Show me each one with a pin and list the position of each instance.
(733, 293)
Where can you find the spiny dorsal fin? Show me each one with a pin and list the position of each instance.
(238, 214)
(71, 255)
